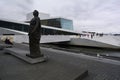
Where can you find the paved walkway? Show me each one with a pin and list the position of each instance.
(98, 69)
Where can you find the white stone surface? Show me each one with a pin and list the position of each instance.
(110, 39)
(44, 38)
(105, 41)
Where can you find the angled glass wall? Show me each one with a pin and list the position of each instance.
(59, 23)
(66, 24)
(51, 22)
(25, 28)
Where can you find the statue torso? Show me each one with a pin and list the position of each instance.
(33, 22)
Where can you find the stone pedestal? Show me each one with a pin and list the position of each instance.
(19, 53)
(34, 56)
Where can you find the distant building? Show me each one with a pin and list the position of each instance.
(58, 23)
(45, 30)
(53, 22)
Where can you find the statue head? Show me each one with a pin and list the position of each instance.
(35, 13)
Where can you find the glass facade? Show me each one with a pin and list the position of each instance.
(66, 24)
(15, 26)
(25, 27)
(51, 22)
(59, 23)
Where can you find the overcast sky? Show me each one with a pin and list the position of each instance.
(15, 9)
(87, 15)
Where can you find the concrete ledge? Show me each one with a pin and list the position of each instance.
(2, 46)
(83, 75)
(21, 54)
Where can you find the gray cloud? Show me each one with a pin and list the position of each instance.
(15, 9)
(93, 15)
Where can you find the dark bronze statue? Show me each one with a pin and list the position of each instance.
(34, 36)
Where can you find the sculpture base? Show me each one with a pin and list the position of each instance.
(21, 54)
(34, 56)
